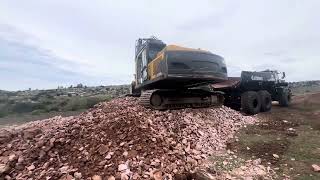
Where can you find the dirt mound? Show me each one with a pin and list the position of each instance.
(118, 139)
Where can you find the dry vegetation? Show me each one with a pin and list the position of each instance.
(292, 134)
(23, 106)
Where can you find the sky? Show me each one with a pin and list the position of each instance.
(45, 44)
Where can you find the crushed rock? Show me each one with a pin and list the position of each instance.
(316, 167)
(132, 142)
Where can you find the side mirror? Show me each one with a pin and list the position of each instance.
(283, 75)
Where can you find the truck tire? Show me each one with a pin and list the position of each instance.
(285, 98)
(266, 100)
(250, 102)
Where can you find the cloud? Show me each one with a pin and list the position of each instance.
(96, 39)
(25, 66)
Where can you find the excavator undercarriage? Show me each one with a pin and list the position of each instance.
(162, 99)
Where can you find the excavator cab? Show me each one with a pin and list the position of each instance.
(146, 50)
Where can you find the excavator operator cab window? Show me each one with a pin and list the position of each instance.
(153, 51)
(144, 65)
(152, 54)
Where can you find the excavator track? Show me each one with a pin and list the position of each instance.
(161, 99)
(145, 98)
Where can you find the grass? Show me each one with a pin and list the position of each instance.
(297, 150)
(305, 149)
(220, 165)
(306, 89)
(15, 119)
(51, 104)
(19, 111)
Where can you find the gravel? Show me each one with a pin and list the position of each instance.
(117, 140)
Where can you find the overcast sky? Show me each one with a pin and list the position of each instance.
(46, 43)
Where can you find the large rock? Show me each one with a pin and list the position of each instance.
(4, 168)
(316, 167)
(31, 133)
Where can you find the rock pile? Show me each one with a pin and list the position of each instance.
(117, 140)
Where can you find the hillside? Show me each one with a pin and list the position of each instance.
(34, 103)
(305, 87)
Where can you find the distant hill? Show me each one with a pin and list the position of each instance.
(62, 99)
(305, 86)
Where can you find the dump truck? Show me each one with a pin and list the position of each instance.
(170, 76)
(254, 92)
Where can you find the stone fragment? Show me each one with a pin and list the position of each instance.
(122, 167)
(31, 133)
(64, 169)
(31, 167)
(157, 175)
(96, 177)
(111, 178)
(125, 154)
(66, 177)
(12, 158)
(4, 168)
(256, 161)
(316, 168)
(77, 175)
(124, 176)
(109, 155)
(275, 156)
(102, 163)
(52, 140)
(103, 149)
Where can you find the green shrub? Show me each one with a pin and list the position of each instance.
(47, 102)
(3, 114)
(63, 103)
(76, 103)
(54, 108)
(4, 99)
(11, 101)
(39, 106)
(91, 101)
(22, 107)
(38, 111)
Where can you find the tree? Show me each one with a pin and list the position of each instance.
(79, 86)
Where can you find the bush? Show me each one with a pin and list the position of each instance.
(3, 114)
(39, 106)
(4, 99)
(76, 103)
(22, 107)
(63, 103)
(91, 101)
(38, 111)
(54, 108)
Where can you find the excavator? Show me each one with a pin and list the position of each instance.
(174, 77)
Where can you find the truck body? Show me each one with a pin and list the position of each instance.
(254, 92)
